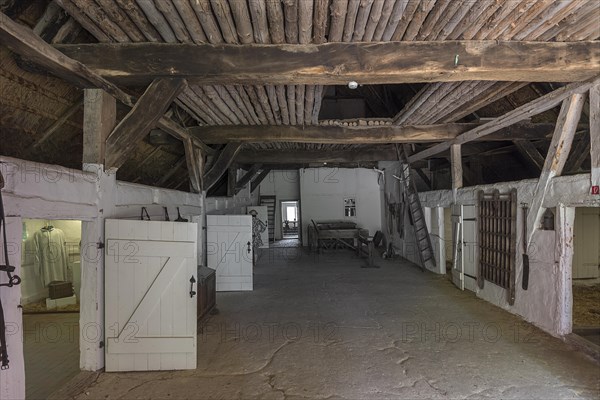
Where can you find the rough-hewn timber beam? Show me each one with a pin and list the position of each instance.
(338, 63)
(221, 164)
(524, 112)
(362, 154)
(359, 134)
(141, 118)
(24, 42)
(261, 177)
(239, 185)
(566, 125)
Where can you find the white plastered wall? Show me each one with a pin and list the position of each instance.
(42, 191)
(547, 301)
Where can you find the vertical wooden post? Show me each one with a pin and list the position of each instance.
(456, 166)
(595, 133)
(99, 119)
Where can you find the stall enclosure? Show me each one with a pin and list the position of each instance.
(50, 295)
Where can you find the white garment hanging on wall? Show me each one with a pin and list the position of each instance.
(50, 260)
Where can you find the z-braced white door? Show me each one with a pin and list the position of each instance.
(229, 250)
(458, 266)
(150, 299)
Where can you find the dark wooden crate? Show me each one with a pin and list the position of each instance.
(60, 289)
(207, 291)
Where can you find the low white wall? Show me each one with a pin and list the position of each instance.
(322, 194)
(284, 185)
(41, 191)
(547, 302)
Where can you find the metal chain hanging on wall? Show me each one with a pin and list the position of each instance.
(13, 280)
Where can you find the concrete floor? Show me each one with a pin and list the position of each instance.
(324, 328)
(51, 350)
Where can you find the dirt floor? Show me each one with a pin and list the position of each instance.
(322, 327)
(586, 305)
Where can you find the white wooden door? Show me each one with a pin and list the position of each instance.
(150, 307)
(229, 250)
(470, 246)
(586, 255)
(458, 266)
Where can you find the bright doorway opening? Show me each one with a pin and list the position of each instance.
(290, 219)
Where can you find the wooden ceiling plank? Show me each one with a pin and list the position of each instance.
(374, 19)
(521, 113)
(243, 23)
(362, 18)
(147, 111)
(141, 21)
(222, 12)
(187, 14)
(209, 24)
(353, 6)
(84, 20)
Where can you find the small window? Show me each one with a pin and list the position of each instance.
(350, 207)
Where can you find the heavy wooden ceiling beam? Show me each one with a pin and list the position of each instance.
(221, 164)
(144, 116)
(338, 63)
(526, 111)
(333, 134)
(362, 154)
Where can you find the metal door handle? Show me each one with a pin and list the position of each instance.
(192, 281)
(249, 247)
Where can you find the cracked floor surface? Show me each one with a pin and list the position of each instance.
(321, 327)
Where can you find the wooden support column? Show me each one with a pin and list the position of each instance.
(556, 158)
(99, 119)
(595, 133)
(221, 164)
(456, 166)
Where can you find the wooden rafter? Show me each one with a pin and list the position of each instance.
(144, 116)
(247, 177)
(259, 178)
(338, 63)
(221, 164)
(595, 132)
(524, 112)
(530, 153)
